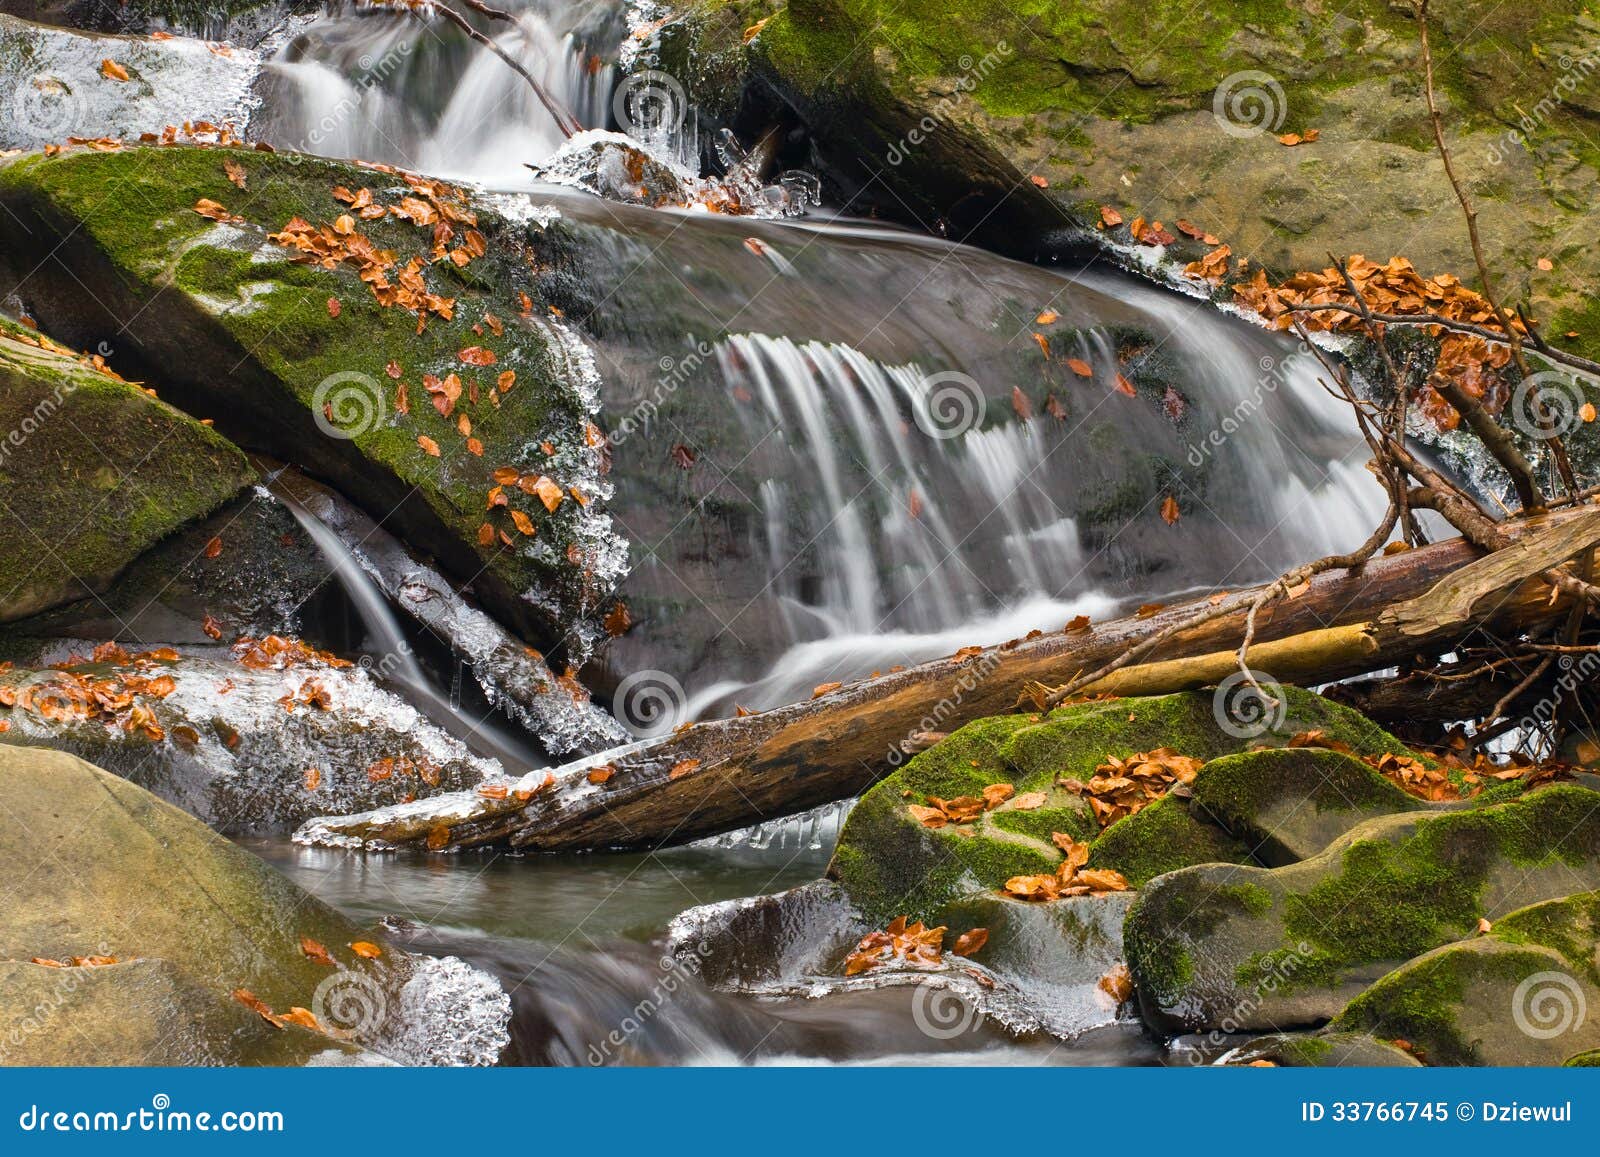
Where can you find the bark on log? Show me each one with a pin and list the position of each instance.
(716, 776)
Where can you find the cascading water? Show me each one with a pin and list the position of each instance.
(396, 87)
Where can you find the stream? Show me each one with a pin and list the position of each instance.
(792, 353)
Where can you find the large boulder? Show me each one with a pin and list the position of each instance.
(314, 328)
(892, 862)
(1265, 949)
(1014, 125)
(1520, 995)
(194, 923)
(94, 471)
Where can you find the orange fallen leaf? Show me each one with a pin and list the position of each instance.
(366, 949)
(1118, 983)
(822, 689)
(315, 952)
(1029, 801)
(682, 768)
(1048, 317)
(429, 446)
(214, 546)
(601, 774)
(1169, 510)
(111, 70)
(523, 523)
(970, 941)
(1038, 181)
(1080, 367)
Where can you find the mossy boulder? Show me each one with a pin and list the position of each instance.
(891, 863)
(1289, 804)
(1324, 1050)
(103, 868)
(1277, 948)
(939, 113)
(94, 472)
(1520, 995)
(302, 361)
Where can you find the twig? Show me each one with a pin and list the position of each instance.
(1557, 450)
(565, 121)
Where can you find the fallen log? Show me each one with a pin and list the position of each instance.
(715, 776)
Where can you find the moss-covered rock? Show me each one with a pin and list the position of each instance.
(303, 361)
(891, 863)
(1289, 804)
(1324, 1050)
(94, 471)
(1520, 995)
(1275, 948)
(1169, 110)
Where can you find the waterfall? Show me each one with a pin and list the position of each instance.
(392, 87)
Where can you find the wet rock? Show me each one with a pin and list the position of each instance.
(222, 744)
(1520, 995)
(301, 358)
(616, 167)
(265, 581)
(85, 495)
(1288, 805)
(139, 1012)
(890, 862)
(57, 89)
(1275, 948)
(190, 917)
(1039, 971)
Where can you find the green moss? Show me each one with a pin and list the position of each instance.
(94, 472)
(1162, 838)
(891, 864)
(1395, 899)
(247, 335)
